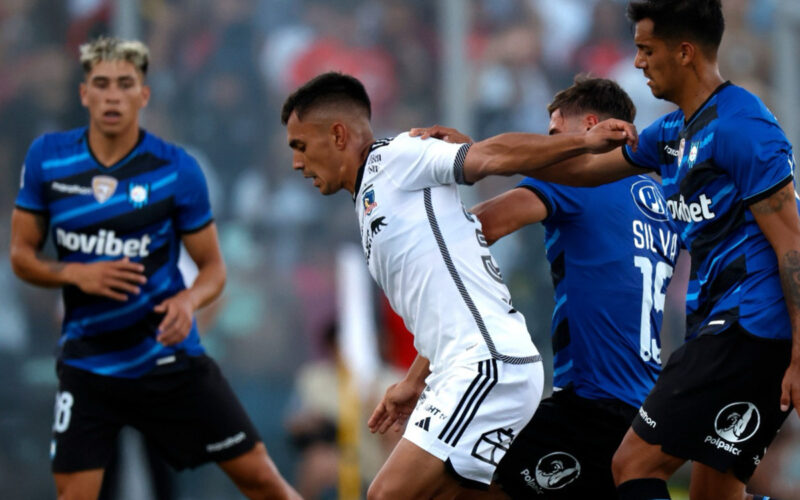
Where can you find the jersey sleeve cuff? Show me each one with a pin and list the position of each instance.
(37, 211)
(768, 192)
(458, 165)
(197, 228)
(630, 160)
(538, 192)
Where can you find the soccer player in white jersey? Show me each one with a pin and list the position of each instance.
(478, 377)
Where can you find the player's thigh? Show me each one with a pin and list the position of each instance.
(82, 485)
(411, 472)
(194, 417)
(565, 451)
(86, 421)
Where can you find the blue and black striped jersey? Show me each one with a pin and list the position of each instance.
(137, 209)
(730, 154)
(611, 249)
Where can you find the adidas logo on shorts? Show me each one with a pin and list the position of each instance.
(424, 424)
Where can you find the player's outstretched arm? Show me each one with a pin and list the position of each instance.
(178, 310)
(400, 399)
(778, 219)
(562, 158)
(508, 212)
(113, 279)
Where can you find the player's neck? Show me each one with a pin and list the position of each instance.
(356, 164)
(109, 149)
(698, 89)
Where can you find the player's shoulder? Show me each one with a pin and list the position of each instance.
(53, 142)
(735, 101)
(166, 150)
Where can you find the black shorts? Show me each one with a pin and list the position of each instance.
(565, 450)
(718, 401)
(190, 417)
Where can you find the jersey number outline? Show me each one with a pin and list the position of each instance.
(63, 411)
(653, 296)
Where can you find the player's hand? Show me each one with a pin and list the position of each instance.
(395, 407)
(178, 311)
(790, 387)
(115, 279)
(446, 134)
(610, 134)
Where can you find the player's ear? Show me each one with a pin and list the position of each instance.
(82, 89)
(145, 95)
(590, 120)
(687, 53)
(339, 135)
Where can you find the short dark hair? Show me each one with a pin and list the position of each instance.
(699, 21)
(598, 95)
(327, 88)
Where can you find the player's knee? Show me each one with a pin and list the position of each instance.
(382, 490)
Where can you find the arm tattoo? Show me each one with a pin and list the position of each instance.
(790, 277)
(774, 203)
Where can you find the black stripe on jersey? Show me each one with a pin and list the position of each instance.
(698, 178)
(138, 165)
(717, 231)
(558, 269)
(112, 341)
(702, 121)
(135, 220)
(561, 338)
(727, 278)
(492, 376)
(458, 165)
(74, 297)
(437, 233)
(664, 158)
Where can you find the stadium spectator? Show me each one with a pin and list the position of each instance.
(120, 201)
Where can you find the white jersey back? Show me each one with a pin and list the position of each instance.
(429, 256)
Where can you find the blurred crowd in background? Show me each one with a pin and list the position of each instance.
(219, 72)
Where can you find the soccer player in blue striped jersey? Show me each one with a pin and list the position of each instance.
(118, 202)
(610, 247)
(727, 171)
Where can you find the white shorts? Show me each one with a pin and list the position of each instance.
(468, 415)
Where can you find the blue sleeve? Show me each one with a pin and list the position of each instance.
(646, 154)
(191, 196)
(756, 154)
(561, 201)
(31, 190)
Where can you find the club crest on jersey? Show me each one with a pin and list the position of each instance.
(103, 187)
(138, 194)
(369, 202)
(680, 151)
(693, 153)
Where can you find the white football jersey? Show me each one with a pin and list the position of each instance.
(429, 256)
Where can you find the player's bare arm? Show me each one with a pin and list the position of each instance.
(579, 159)
(778, 219)
(400, 399)
(178, 310)
(508, 212)
(116, 279)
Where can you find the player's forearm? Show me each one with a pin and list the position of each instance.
(208, 285)
(520, 153)
(418, 372)
(29, 267)
(494, 224)
(789, 268)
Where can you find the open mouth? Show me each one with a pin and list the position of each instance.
(112, 115)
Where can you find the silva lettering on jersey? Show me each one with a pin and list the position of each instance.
(665, 244)
(691, 212)
(103, 243)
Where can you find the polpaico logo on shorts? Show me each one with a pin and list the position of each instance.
(737, 422)
(556, 470)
